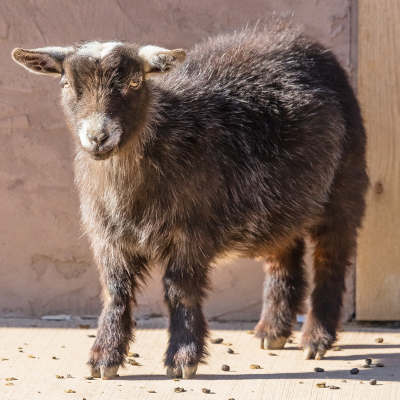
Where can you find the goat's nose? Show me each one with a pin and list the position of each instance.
(97, 138)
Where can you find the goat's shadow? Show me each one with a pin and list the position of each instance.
(364, 375)
(383, 374)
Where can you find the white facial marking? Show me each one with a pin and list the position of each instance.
(94, 123)
(97, 50)
(83, 134)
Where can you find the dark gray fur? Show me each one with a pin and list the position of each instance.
(254, 142)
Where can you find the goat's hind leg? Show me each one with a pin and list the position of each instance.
(283, 298)
(332, 252)
(335, 242)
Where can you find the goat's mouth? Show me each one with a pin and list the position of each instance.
(102, 153)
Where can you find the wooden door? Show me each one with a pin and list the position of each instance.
(378, 259)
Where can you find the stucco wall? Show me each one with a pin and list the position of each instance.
(45, 265)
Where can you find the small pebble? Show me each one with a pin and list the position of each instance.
(334, 387)
(91, 335)
(179, 390)
(319, 369)
(366, 366)
(84, 326)
(290, 340)
(321, 385)
(88, 378)
(254, 366)
(4, 359)
(225, 367)
(30, 356)
(11, 379)
(380, 365)
(379, 340)
(227, 344)
(63, 347)
(217, 341)
(69, 391)
(19, 347)
(151, 391)
(20, 351)
(372, 382)
(229, 351)
(59, 376)
(250, 332)
(68, 376)
(176, 380)
(206, 390)
(344, 381)
(354, 371)
(9, 384)
(368, 361)
(272, 354)
(337, 348)
(54, 358)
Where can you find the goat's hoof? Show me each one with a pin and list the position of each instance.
(274, 344)
(96, 372)
(108, 373)
(189, 372)
(309, 354)
(184, 372)
(173, 373)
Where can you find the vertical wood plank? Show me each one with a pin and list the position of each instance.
(378, 261)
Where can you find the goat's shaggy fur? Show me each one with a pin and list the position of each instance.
(254, 142)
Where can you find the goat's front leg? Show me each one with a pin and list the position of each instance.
(185, 289)
(115, 327)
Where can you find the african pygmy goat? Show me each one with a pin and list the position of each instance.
(241, 149)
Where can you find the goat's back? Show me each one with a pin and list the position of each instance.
(249, 134)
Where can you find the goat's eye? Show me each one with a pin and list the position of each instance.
(134, 84)
(66, 85)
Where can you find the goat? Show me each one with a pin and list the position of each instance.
(239, 149)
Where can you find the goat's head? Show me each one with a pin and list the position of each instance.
(104, 91)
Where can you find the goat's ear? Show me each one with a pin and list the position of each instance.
(158, 60)
(44, 61)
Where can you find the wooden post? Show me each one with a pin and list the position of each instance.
(378, 260)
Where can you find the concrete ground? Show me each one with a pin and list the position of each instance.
(34, 352)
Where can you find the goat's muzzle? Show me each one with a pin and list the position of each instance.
(99, 134)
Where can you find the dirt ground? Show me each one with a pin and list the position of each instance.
(34, 352)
